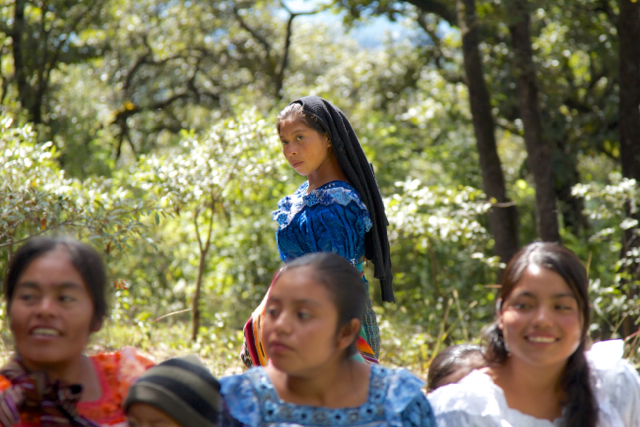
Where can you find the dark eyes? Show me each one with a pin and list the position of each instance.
(30, 297)
(297, 138)
(26, 297)
(302, 315)
(271, 311)
(527, 306)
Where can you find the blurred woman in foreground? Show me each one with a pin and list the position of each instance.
(55, 298)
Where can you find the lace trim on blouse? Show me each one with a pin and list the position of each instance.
(334, 192)
(477, 401)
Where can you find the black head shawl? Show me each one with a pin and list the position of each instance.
(360, 174)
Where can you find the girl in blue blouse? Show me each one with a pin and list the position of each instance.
(339, 209)
(312, 320)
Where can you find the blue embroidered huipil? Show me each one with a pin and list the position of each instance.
(331, 218)
(395, 399)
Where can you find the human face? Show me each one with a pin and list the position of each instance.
(143, 415)
(51, 312)
(541, 320)
(305, 149)
(300, 324)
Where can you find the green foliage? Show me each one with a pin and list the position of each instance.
(612, 209)
(37, 198)
(442, 263)
(211, 184)
(230, 160)
(163, 154)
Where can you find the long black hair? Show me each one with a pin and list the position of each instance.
(343, 282)
(324, 117)
(580, 406)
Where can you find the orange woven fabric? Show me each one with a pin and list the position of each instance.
(116, 372)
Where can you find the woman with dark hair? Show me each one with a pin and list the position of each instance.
(538, 372)
(55, 299)
(339, 209)
(454, 363)
(312, 321)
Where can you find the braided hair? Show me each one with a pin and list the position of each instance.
(580, 406)
(324, 117)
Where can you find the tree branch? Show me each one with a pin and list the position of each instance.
(211, 222)
(265, 44)
(509, 127)
(440, 8)
(51, 63)
(605, 7)
(15, 242)
(439, 54)
(195, 222)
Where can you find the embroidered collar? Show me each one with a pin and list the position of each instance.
(333, 192)
(274, 410)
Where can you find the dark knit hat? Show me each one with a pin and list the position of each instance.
(183, 388)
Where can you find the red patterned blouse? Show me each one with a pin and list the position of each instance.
(116, 372)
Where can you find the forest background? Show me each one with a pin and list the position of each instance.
(146, 127)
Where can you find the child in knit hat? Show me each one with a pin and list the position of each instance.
(178, 392)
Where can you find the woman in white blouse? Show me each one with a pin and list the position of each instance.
(539, 373)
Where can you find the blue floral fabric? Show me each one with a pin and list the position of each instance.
(395, 400)
(331, 218)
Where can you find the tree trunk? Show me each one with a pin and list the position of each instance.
(539, 151)
(629, 122)
(566, 176)
(503, 216)
(629, 125)
(19, 75)
(195, 308)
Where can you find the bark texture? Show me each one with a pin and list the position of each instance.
(629, 127)
(503, 216)
(20, 77)
(539, 150)
(629, 124)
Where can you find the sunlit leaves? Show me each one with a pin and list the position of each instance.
(613, 209)
(36, 197)
(235, 154)
(437, 212)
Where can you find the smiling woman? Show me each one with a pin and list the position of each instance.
(55, 295)
(539, 373)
